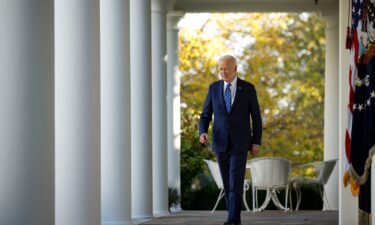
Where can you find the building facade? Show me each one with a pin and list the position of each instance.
(89, 95)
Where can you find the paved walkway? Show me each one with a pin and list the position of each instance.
(269, 217)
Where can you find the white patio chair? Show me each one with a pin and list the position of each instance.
(323, 172)
(271, 174)
(215, 172)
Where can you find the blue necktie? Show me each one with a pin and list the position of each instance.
(228, 98)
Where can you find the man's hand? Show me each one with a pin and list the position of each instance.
(255, 149)
(203, 139)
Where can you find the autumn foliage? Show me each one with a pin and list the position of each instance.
(283, 55)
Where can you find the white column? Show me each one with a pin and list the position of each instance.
(348, 205)
(173, 103)
(159, 108)
(115, 112)
(331, 106)
(77, 113)
(140, 81)
(26, 114)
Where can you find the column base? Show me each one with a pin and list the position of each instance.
(175, 208)
(161, 213)
(118, 223)
(139, 220)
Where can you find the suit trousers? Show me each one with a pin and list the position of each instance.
(232, 168)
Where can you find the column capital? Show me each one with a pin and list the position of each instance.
(159, 6)
(173, 17)
(332, 19)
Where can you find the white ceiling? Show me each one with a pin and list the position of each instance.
(325, 6)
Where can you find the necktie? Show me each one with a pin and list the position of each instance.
(228, 98)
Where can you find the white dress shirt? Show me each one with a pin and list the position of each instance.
(233, 88)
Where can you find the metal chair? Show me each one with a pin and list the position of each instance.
(271, 174)
(215, 172)
(323, 172)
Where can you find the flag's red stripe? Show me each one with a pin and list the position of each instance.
(347, 145)
(352, 72)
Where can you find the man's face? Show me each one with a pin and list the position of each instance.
(227, 70)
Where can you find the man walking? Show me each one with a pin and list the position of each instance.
(234, 103)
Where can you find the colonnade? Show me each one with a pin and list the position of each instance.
(84, 111)
(90, 124)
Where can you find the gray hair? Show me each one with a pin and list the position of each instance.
(229, 58)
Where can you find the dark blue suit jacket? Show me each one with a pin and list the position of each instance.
(235, 124)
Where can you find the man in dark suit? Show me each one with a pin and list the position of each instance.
(232, 101)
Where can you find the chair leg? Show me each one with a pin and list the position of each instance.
(221, 194)
(256, 199)
(266, 200)
(276, 201)
(244, 197)
(253, 192)
(325, 200)
(298, 193)
(290, 198)
(286, 197)
(321, 192)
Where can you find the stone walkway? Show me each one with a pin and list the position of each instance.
(269, 217)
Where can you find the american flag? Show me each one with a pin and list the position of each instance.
(356, 13)
(360, 132)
